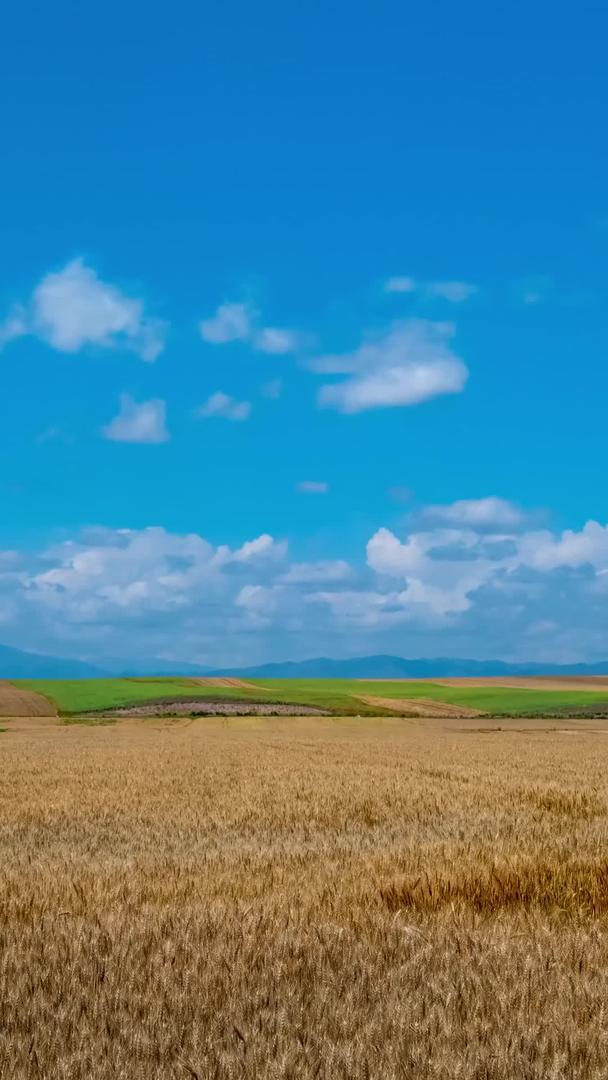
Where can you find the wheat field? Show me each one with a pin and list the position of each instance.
(303, 898)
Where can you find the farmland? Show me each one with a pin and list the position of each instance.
(86, 695)
(339, 696)
(325, 897)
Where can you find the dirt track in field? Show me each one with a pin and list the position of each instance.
(16, 702)
(422, 707)
(236, 684)
(598, 683)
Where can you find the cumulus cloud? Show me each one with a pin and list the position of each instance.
(180, 592)
(259, 602)
(436, 586)
(142, 422)
(544, 550)
(231, 322)
(264, 547)
(222, 405)
(313, 487)
(143, 571)
(241, 322)
(444, 568)
(73, 308)
(408, 363)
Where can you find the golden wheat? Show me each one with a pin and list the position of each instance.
(303, 898)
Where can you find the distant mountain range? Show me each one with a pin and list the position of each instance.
(395, 667)
(15, 664)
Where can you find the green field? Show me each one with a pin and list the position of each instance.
(341, 696)
(88, 695)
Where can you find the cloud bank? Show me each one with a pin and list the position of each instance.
(468, 587)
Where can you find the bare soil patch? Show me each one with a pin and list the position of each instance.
(422, 707)
(16, 702)
(237, 684)
(523, 682)
(536, 682)
(221, 707)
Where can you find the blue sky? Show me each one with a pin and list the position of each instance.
(335, 276)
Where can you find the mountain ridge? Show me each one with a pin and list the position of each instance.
(18, 664)
(395, 667)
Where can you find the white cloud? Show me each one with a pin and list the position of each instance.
(313, 487)
(145, 571)
(122, 568)
(363, 608)
(458, 590)
(14, 326)
(142, 422)
(455, 292)
(240, 322)
(222, 405)
(260, 602)
(406, 364)
(546, 551)
(263, 547)
(231, 322)
(315, 572)
(276, 342)
(489, 511)
(72, 308)
(443, 568)
(436, 586)
(400, 285)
